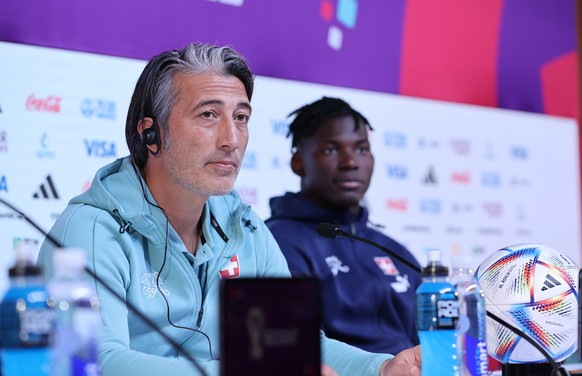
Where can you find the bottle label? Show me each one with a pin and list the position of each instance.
(439, 351)
(447, 314)
(437, 313)
(476, 358)
(26, 322)
(83, 367)
(26, 362)
(434, 313)
(76, 348)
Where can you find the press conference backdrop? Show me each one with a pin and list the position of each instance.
(466, 179)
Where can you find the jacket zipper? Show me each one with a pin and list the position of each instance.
(124, 225)
(203, 288)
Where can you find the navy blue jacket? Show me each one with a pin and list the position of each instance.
(368, 297)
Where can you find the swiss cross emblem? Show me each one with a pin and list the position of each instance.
(386, 265)
(232, 269)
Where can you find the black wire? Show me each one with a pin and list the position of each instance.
(162, 268)
(557, 370)
(178, 347)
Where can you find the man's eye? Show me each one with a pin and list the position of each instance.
(329, 150)
(242, 117)
(207, 114)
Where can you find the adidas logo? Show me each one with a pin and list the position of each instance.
(46, 190)
(430, 177)
(550, 282)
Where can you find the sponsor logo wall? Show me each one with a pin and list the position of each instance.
(466, 179)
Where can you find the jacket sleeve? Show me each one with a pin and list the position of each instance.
(350, 360)
(94, 231)
(270, 260)
(293, 248)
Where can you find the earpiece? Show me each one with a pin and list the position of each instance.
(151, 136)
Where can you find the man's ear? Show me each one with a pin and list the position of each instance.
(297, 165)
(143, 124)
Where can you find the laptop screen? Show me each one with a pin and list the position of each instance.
(270, 326)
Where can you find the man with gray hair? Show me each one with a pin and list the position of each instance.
(164, 225)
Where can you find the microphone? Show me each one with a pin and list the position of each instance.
(332, 231)
(118, 296)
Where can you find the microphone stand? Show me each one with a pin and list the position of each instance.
(332, 231)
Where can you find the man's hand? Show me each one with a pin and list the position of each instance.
(327, 371)
(406, 363)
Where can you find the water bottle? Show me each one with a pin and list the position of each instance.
(26, 320)
(472, 339)
(78, 321)
(437, 314)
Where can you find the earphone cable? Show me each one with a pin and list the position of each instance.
(162, 268)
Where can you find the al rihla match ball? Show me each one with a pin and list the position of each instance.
(533, 288)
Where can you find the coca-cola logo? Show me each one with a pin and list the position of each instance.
(400, 204)
(461, 177)
(52, 103)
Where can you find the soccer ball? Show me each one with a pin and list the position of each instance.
(533, 288)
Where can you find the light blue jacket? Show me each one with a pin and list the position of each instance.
(125, 238)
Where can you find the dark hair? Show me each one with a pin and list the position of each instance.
(310, 117)
(155, 95)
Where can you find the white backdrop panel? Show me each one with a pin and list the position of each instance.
(466, 179)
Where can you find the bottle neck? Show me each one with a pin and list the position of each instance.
(458, 276)
(25, 280)
(435, 278)
(68, 273)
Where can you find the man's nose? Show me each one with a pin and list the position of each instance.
(228, 135)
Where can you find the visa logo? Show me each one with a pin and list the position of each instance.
(430, 206)
(400, 204)
(397, 171)
(280, 127)
(3, 184)
(519, 152)
(99, 108)
(395, 140)
(100, 149)
(491, 179)
(461, 177)
(249, 161)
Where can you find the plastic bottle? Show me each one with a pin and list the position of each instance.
(472, 339)
(437, 313)
(75, 352)
(26, 320)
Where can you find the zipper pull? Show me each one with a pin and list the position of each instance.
(200, 314)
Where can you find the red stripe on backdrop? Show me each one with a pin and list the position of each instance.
(450, 50)
(559, 89)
